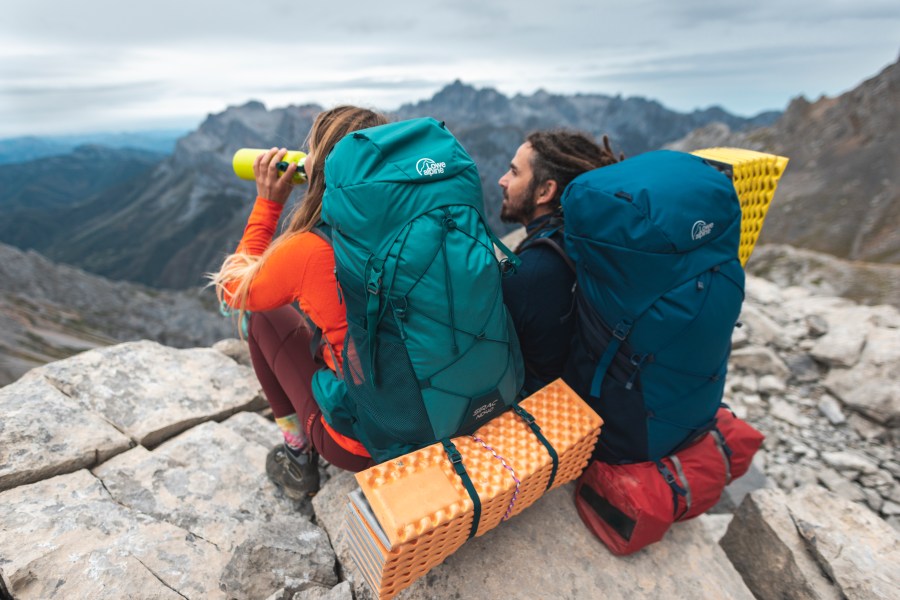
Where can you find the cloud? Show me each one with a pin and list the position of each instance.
(173, 59)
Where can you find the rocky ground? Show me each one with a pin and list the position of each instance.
(137, 471)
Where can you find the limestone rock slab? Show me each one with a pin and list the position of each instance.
(546, 552)
(44, 433)
(210, 481)
(762, 543)
(152, 392)
(65, 537)
(857, 549)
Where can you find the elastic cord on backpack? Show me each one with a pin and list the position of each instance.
(446, 225)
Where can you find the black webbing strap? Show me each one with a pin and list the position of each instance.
(456, 459)
(529, 420)
(677, 490)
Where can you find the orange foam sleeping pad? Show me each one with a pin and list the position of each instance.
(421, 508)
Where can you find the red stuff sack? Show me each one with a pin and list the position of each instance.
(631, 506)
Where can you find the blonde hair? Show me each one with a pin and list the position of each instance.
(327, 130)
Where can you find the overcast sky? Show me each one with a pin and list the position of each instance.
(108, 65)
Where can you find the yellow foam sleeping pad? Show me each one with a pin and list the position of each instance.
(755, 176)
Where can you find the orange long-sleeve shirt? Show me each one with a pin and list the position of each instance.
(300, 270)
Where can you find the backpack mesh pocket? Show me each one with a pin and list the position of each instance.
(391, 410)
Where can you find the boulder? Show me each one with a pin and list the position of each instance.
(871, 390)
(812, 543)
(847, 460)
(762, 543)
(843, 344)
(857, 549)
(759, 360)
(235, 349)
(761, 329)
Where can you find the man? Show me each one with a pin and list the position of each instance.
(539, 296)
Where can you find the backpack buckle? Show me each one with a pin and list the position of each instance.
(507, 267)
(453, 454)
(526, 416)
(621, 330)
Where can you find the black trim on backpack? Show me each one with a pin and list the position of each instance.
(618, 520)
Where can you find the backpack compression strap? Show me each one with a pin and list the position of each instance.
(529, 420)
(511, 263)
(458, 466)
(619, 334)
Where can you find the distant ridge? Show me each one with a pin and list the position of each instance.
(50, 311)
(169, 225)
(26, 148)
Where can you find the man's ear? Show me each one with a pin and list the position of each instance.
(545, 192)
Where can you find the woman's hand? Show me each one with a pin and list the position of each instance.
(270, 184)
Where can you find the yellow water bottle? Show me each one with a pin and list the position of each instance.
(244, 158)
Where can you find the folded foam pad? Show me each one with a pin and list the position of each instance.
(755, 176)
(413, 511)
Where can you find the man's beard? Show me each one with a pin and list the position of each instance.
(521, 213)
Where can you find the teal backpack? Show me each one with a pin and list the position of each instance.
(430, 351)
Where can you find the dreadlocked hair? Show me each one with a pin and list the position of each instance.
(562, 155)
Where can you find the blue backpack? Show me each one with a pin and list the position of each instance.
(655, 242)
(430, 351)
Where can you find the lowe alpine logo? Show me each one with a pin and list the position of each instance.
(486, 409)
(427, 167)
(701, 229)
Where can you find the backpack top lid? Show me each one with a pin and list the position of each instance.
(378, 179)
(639, 227)
(662, 202)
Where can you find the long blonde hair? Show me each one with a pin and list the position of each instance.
(327, 130)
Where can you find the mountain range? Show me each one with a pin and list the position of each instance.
(26, 148)
(168, 224)
(164, 221)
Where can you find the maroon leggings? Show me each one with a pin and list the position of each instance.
(279, 348)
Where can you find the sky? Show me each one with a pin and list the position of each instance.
(106, 65)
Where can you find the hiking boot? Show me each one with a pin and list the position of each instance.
(298, 476)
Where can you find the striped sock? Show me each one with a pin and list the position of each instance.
(294, 436)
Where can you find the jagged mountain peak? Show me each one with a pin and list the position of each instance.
(839, 194)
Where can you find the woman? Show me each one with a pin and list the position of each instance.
(265, 276)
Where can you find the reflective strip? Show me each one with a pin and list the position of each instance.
(720, 444)
(684, 482)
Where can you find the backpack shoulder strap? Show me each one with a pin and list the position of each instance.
(549, 241)
(548, 237)
(323, 230)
